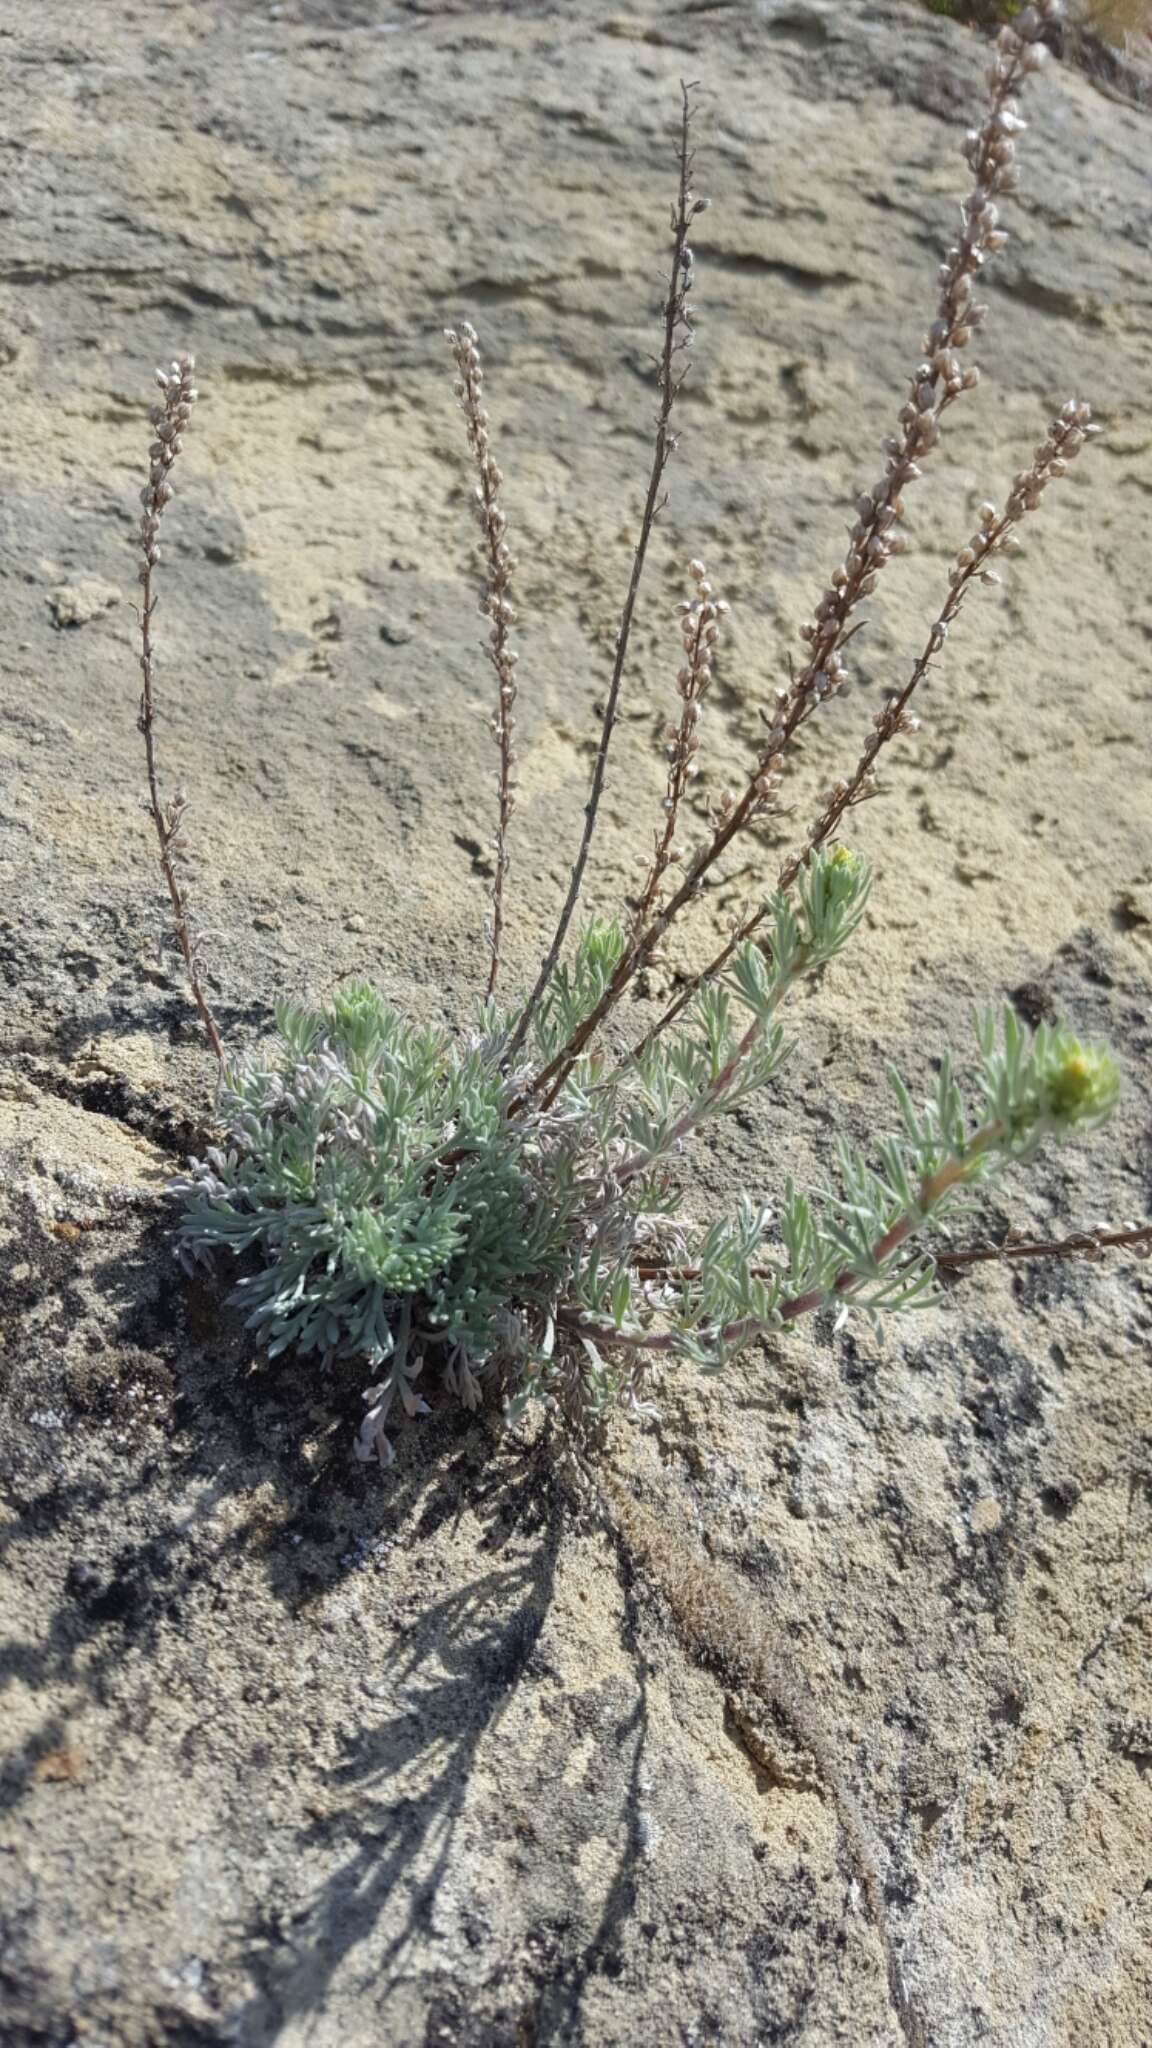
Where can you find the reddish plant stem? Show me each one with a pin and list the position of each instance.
(887, 726)
(694, 678)
(1084, 1244)
(697, 1110)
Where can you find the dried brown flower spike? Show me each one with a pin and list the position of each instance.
(170, 420)
(498, 606)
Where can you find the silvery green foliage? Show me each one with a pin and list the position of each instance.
(392, 1202)
(335, 1174)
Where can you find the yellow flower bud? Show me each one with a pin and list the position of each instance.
(1083, 1084)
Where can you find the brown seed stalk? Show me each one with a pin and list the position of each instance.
(169, 422)
(1089, 1245)
(498, 607)
(1085, 1244)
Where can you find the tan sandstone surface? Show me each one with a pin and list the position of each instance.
(304, 1754)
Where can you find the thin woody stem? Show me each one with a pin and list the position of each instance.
(169, 421)
(167, 823)
(1065, 437)
(1084, 1244)
(677, 784)
(677, 336)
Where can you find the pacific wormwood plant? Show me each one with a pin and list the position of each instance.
(502, 1206)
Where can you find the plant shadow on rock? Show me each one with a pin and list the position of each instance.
(459, 1670)
(153, 1547)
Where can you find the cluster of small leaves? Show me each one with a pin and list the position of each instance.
(709, 1067)
(575, 989)
(373, 1181)
(1029, 1087)
(369, 1164)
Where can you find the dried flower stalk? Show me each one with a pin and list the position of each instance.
(169, 421)
(671, 375)
(996, 536)
(498, 606)
(938, 380)
(1089, 1245)
(699, 630)
(1085, 1244)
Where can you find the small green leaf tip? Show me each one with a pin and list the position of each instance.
(600, 945)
